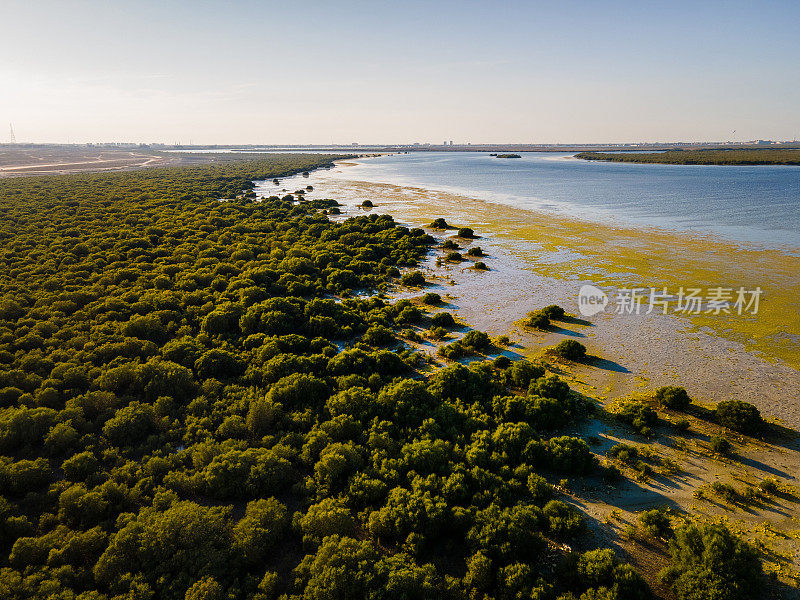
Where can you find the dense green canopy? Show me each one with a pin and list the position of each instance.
(195, 402)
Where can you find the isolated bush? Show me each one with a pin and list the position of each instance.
(537, 319)
(738, 415)
(673, 397)
(466, 232)
(624, 452)
(637, 414)
(720, 445)
(682, 424)
(475, 251)
(431, 298)
(367, 204)
(769, 486)
(454, 257)
(439, 223)
(454, 350)
(480, 266)
(570, 349)
(554, 312)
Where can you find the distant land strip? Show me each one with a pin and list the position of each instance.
(767, 156)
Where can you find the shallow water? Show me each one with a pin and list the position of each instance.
(759, 204)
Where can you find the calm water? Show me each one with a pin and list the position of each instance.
(752, 204)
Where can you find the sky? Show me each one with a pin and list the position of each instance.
(246, 72)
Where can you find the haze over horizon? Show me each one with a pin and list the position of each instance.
(266, 73)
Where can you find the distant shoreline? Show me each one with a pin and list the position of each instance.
(766, 156)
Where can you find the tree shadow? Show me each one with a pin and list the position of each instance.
(562, 331)
(757, 464)
(604, 364)
(780, 435)
(632, 496)
(575, 321)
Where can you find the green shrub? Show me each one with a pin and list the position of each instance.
(522, 372)
(656, 523)
(476, 339)
(378, 335)
(570, 349)
(637, 414)
(475, 251)
(738, 415)
(454, 350)
(443, 319)
(708, 561)
(769, 486)
(624, 452)
(551, 386)
(454, 257)
(480, 266)
(466, 232)
(537, 319)
(439, 223)
(438, 333)
(367, 204)
(413, 279)
(502, 362)
(553, 312)
(720, 445)
(599, 575)
(569, 455)
(431, 298)
(673, 397)
(564, 521)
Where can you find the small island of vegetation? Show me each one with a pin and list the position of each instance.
(508, 156)
(755, 156)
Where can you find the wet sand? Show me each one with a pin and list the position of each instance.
(538, 259)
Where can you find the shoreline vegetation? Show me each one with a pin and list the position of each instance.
(566, 248)
(766, 156)
(209, 395)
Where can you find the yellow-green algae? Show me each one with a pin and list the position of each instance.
(568, 248)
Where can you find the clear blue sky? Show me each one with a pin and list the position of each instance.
(322, 72)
